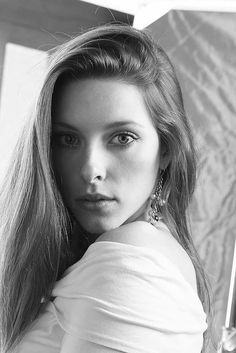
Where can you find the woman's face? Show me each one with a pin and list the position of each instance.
(104, 142)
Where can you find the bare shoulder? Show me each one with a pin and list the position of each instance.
(143, 234)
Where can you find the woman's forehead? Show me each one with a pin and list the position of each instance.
(104, 102)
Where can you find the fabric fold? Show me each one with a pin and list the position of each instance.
(120, 298)
(129, 298)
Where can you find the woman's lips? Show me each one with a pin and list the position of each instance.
(98, 205)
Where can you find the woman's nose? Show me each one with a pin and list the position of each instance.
(93, 168)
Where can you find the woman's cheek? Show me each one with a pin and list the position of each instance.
(144, 160)
(63, 169)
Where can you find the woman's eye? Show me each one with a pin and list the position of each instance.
(124, 138)
(67, 140)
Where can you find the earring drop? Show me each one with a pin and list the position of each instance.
(157, 202)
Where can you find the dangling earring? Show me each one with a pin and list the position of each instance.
(157, 202)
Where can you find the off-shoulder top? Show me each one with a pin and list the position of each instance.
(123, 297)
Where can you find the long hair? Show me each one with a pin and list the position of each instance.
(35, 225)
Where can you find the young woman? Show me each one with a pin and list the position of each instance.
(96, 254)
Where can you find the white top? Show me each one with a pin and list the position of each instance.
(119, 297)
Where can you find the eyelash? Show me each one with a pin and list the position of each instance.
(57, 136)
(57, 139)
(126, 133)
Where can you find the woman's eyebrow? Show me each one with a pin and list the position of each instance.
(69, 126)
(110, 126)
(123, 123)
